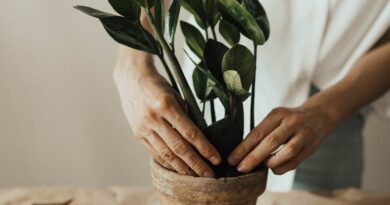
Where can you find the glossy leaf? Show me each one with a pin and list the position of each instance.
(232, 9)
(94, 12)
(221, 95)
(257, 10)
(213, 82)
(213, 55)
(159, 15)
(234, 85)
(201, 83)
(240, 59)
(229, 32)
(196, 9)
(125, 31)
(211, 12)
(194, 38)
(172, 20)
(143, 2)
(126, 8)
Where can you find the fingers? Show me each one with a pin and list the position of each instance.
(155, 154)
(288, 152)
(188, 130)
(167, 155)
(293, 163)
(183, 150)
(271, 122)
(270, 143)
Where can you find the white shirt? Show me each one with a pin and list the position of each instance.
(313, 42)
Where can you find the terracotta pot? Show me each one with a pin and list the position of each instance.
(175, 189)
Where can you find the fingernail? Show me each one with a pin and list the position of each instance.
(215, 160)
(242, 168)
(208, 174)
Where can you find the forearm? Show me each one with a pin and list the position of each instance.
(367, 81)
(134, 62)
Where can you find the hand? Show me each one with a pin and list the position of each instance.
(282, 140)
(153, 109)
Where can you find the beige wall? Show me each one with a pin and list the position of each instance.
(60, 117)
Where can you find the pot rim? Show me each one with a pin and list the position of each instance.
(170, 174)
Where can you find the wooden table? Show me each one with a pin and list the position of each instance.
(145, 196)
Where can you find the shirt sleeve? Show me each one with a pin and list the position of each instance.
(353, 28)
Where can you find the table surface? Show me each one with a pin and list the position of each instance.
(146, 196)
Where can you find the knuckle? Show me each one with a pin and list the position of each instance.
(294, 120)
(192, 134)
(199, 166)
(139, 129)
(148, 115)
(259, 136)
(279, 111)
(273, 141)
(163, 101)
(156, 156)
(252, 160)
(290, 151)
(207, 151)
(179, 148)
(167, 155)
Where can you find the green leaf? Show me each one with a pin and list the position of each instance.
(257, 10)
(234, 85)
(211, 12)
(126, 8)
(240, 59)
(202, 86)
(221, 94)
(143, 2)
(195, 7)
(93, 12)
(229, 32)
(232, 9)
(213, 55)
(172, 20)
(125, 31)
(159, 15)
(194, 38)
(213, 82)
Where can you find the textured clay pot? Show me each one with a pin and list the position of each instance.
(175, 189)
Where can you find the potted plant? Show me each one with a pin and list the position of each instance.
(224, 71)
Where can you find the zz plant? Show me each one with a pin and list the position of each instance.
(223, 70)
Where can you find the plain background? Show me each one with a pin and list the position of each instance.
(61, 121)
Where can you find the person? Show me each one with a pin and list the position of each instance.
(325, 61)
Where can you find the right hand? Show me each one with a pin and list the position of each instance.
(153, 109)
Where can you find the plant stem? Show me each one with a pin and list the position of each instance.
(212, 108)
(252, 122)
(171, 78)
(181, 80)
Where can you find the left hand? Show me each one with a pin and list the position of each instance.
(299, 130)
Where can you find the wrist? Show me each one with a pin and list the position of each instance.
(325, 113)
(134, 65)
